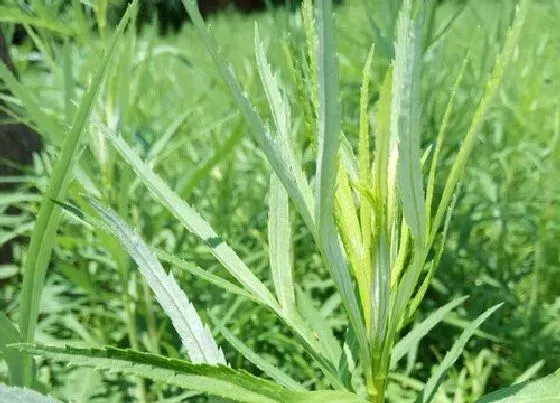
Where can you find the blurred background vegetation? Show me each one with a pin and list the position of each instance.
(165, 94)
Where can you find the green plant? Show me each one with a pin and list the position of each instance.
(376, 206)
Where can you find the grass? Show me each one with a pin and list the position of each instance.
(333, 284)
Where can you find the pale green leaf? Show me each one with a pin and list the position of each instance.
(196, 337)
(365, 179)
(430, 186)
(194, 223)
(216, 380)
(326, 169)
(405, 122)
(280, 245)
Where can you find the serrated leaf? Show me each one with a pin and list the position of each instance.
(270, 148)
(451, 356)
(280, 249)
(365, 179)
(405, 122)
(430, 186)
(217, 380)
(195, 336)
(193, 222)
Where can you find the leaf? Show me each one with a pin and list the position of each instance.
(279, 105)
(20, 395)
(311, 39)
(280, 245)
(195, 336)
(491, 89)
(348, 226)
(277, 374)
(423, 288)
(270, 148)
(281, 113)
(217, 380)
(530, 372)
(366, 209)
(419, 331)
(42, 240)
(326, 170)
(544, 390)
(205, 275)
(384, 173)
(405, 122)
(451, 356)
(439, 144)
(194, 223)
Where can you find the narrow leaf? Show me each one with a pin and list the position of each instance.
(196, 337)
(257, 128)
(42, 240)
(326, 169)
(478, 118)
(364, 162)
(217, 380)
(439, 142)
(452, 355)
(194, 223)
(280, 240)
(204, 274)
(422, 329)
(405, 121)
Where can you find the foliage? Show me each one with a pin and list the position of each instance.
(366, 160)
